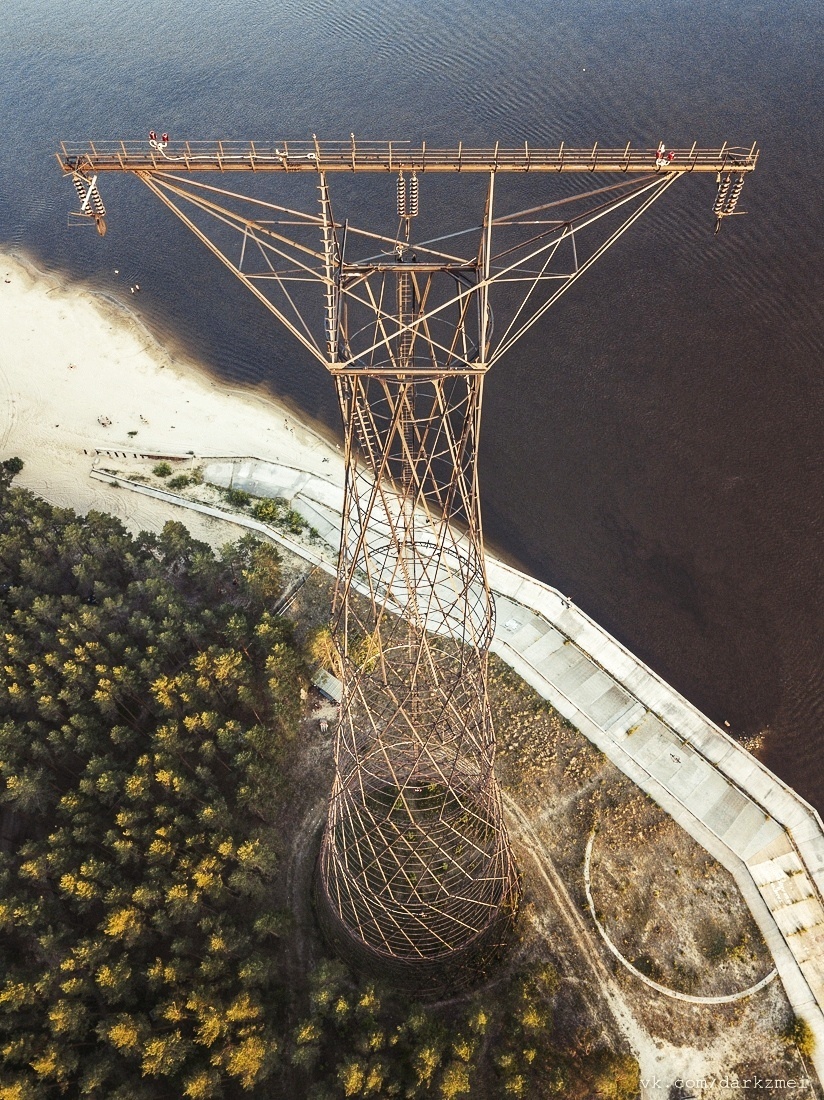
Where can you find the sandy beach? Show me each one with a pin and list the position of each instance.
(80, 375)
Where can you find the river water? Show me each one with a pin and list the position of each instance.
(653, 447)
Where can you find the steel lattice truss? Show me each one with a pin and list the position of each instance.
(415, 858)
(416, 868)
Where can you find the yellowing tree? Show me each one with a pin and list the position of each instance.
(351, 1076)
(248, 1060)
(454, 1081)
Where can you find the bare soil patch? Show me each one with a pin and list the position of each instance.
(670, 909)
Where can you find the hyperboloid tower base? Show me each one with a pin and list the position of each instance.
(416, 880)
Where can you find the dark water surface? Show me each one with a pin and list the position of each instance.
(654, 447)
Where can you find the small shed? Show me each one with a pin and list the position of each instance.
(328, 685)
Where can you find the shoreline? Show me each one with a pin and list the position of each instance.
(123, 324)
(75, 379)
(80, 372)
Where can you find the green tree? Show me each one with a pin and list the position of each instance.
(12, 466)
(615, 1076)
(148, 703)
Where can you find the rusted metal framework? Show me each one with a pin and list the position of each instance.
(416, 873)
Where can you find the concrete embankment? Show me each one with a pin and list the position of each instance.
(765, 834)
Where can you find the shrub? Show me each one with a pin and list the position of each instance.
(179, 482)
(799, 1032)
(239, 497)
(278, 513)
(162, 469)
(647, 965)
(269, 511)
(295, 522)
(13, 465)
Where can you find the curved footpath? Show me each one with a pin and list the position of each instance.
(677, 995)
(765, 834)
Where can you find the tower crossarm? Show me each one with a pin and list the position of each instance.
(390, 156)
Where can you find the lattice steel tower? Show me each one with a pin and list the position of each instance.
(416, 871)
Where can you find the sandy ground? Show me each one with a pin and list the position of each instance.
(78, 374)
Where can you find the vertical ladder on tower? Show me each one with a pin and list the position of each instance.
(330, 249)
(406, 315)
